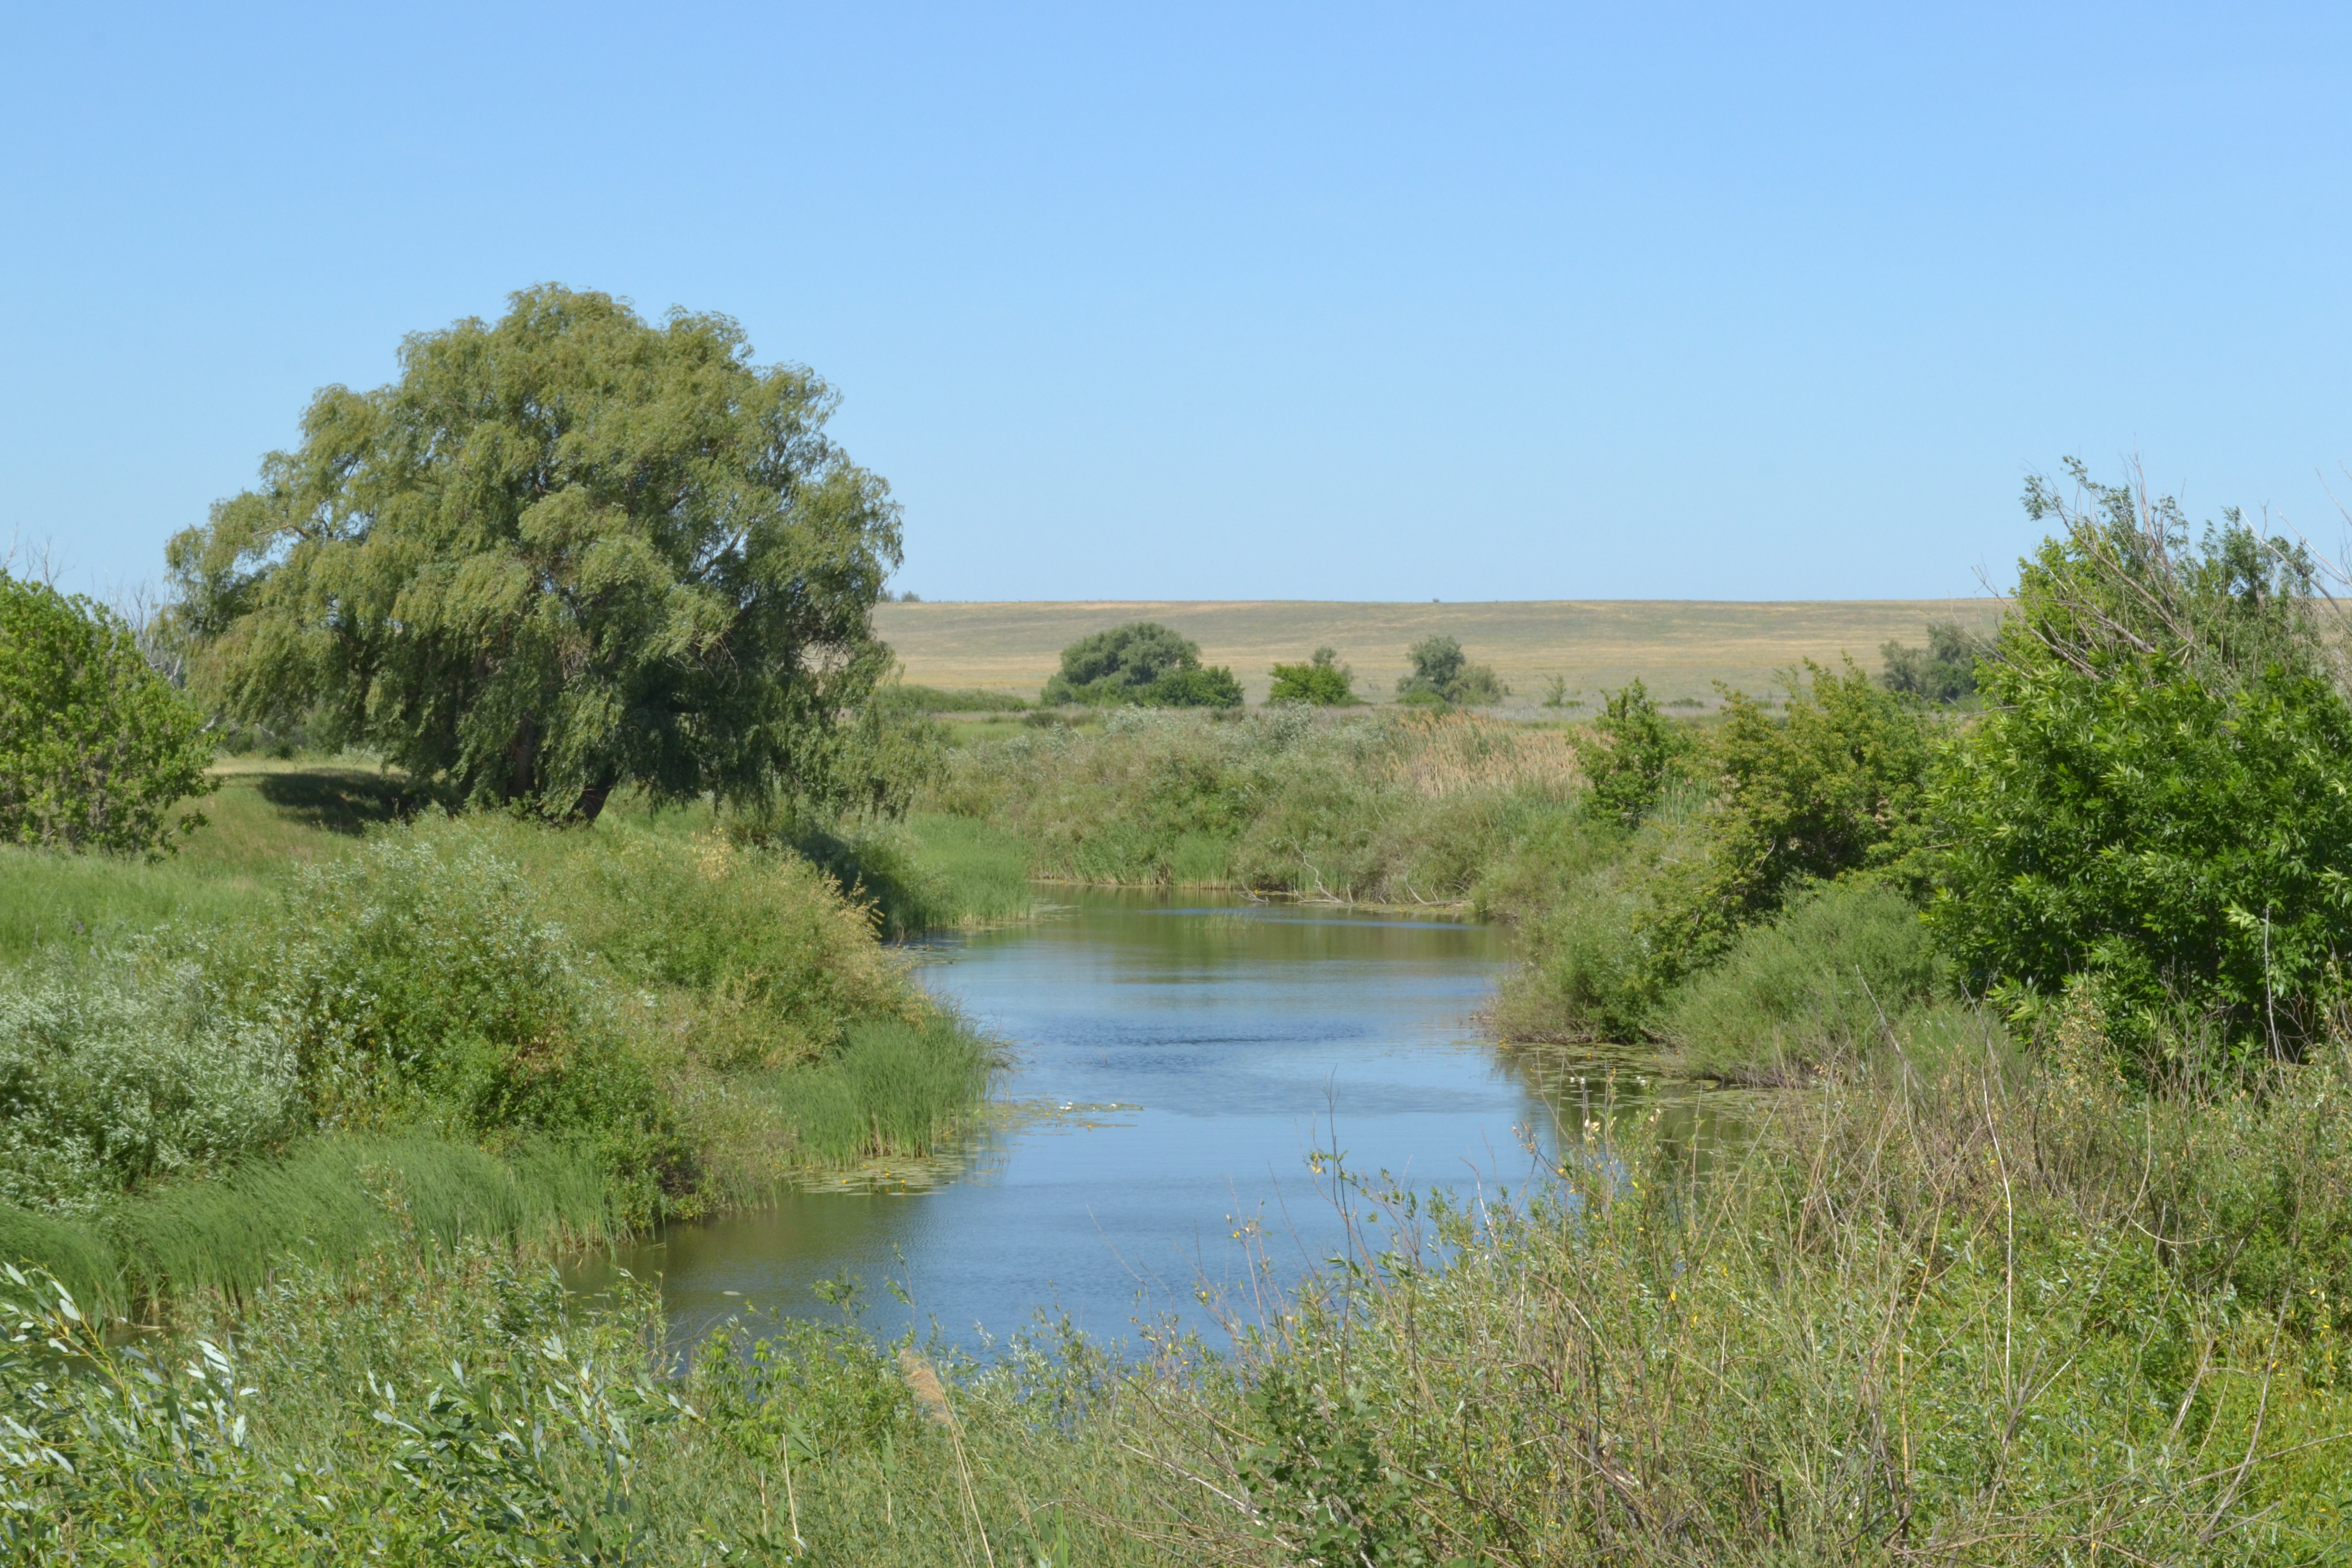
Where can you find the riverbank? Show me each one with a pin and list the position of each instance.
(1978, 1312)
(331, 1011)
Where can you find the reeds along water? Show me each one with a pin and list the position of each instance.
(330, 1202)
(1440, 754)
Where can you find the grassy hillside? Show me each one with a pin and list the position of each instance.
(1679, 646)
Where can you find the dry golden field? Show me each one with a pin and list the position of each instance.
(1681, 648)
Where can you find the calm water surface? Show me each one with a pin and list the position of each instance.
(1175, 1058)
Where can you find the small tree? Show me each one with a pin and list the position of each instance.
(95, 747)
(1442, 672)
(1633, 753)
(2155, 807)
(1140, 662)
(1944, 671)
(562, 552)
(1321, 682)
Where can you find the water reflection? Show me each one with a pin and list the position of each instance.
(1177, 1060)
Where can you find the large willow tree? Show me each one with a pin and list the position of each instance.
(561, 554)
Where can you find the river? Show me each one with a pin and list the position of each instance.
(1175, 1058)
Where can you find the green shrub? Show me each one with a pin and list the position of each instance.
(1200, 686)
(424, 977)
(1321, 682)
(1634, 755)
(95, 747)
(1819, 983)
(126, 1068)
(1834, 784)
(1114, 666)
(2156, 805)
(1442, 673)
(1944, 672)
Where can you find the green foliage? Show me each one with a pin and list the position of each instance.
(562, 552)
(894, 1089)
(935, 700)
(425, 979)
(126, 1068)
(95, 747)
(1829, 786)
(1141, 663)
(668, 1026)
(1944, 671)
(2155, 802)
(1817, 985)
(1442, 672)
(1113, 666)
(1636, 755)
(1205, 685)
(1321, 682)
(1317, 1473)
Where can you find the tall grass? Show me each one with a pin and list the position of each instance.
(894, 1089)
(1962, 1310)
(330, 1201)
(1404, 809)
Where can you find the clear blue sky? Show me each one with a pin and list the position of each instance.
(1345, 301)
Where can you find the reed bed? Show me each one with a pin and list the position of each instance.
(1438, 755)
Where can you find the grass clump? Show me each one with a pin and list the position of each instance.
(1815, 987)
(894, 1089)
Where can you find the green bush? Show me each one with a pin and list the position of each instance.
(2156, 806)
(423, 979)
(1442, 672)
(1832, 785)
(1116, 665)
(126, 1068)
(1204, 686)
(1634, 755)
(1944, 672)
(1321, 682)
(1818, 983)
(95, 747)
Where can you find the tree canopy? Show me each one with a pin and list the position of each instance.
(1143, 663)
(563, 552)
(95, 747)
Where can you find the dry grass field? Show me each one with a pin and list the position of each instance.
(1680, 647)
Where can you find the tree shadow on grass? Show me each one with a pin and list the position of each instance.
(339, 800)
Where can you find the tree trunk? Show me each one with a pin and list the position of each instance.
(523, 760)
(591, 801)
